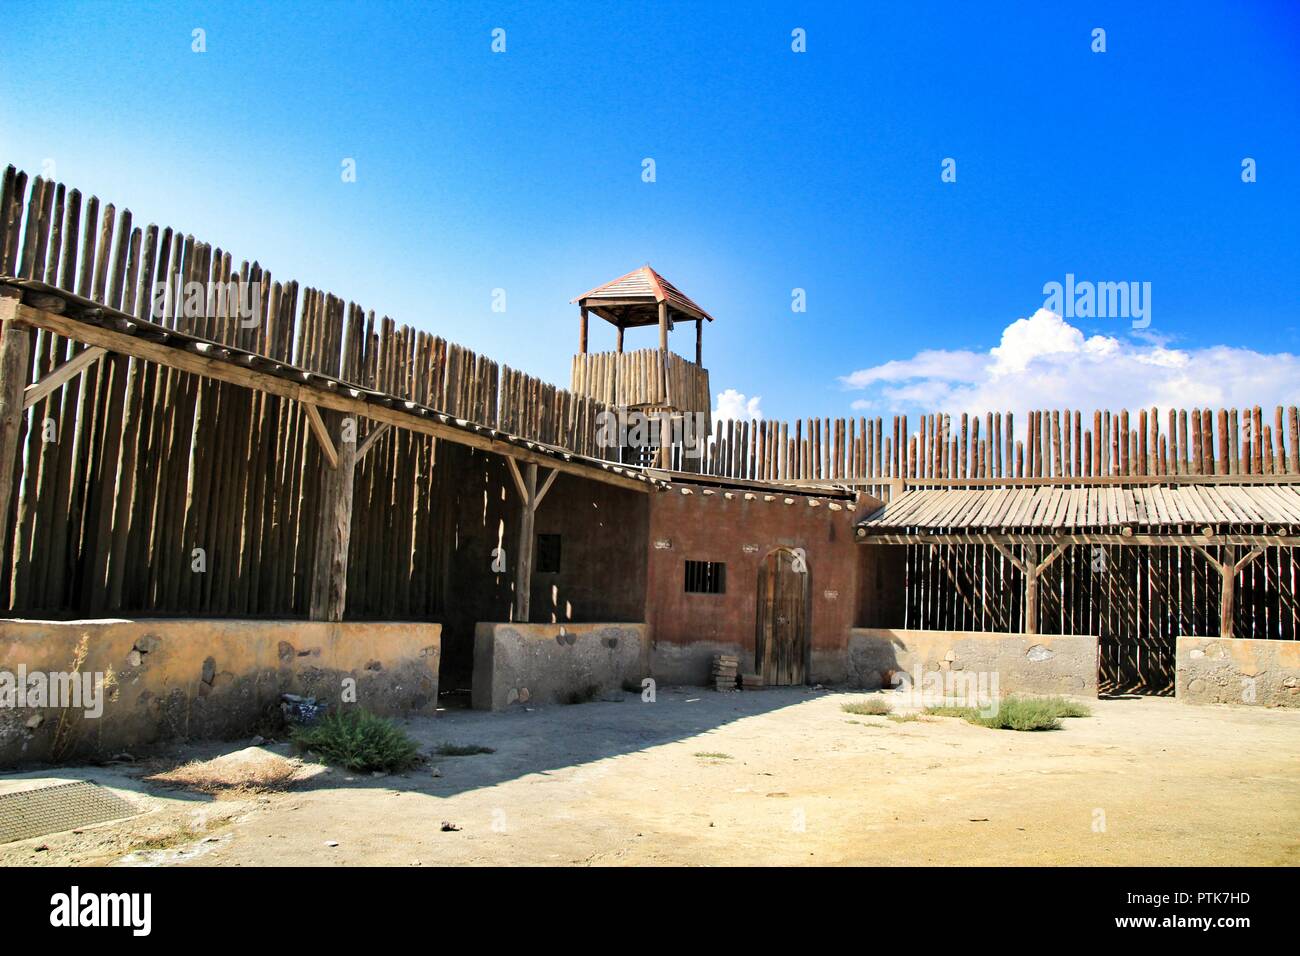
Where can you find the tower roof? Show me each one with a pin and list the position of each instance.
(634, 299)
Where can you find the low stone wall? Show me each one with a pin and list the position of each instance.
(1214, 670)
(552, 663)
(1028, 663)
(194, 678)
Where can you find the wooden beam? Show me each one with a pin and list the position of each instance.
(519, 480)
(1056, 553)
(1248, 558)
(15, 360)
(1010, 556)
(620, 336)
(322, 435)
(351, 401)
(376, 432)
(699, 342)
(663, 326)
(546, 486)
(524, 561)
(59, 376)
(582, 331)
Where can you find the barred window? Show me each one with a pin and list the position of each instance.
(706, 577)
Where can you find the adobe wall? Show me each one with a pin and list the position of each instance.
(1027, 663)
(528, 664)
(1260, 673)
(172, 679)
(740, 528)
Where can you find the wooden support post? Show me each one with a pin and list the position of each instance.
(663, 326)
(524, 560)
(1031, 589)
(329, 582)
(15, 358)
(699, 342)
(582, 332)
(620, 338)
(1227, 596)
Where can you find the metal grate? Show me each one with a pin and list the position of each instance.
(64, 806)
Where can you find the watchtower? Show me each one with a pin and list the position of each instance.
(653, 380)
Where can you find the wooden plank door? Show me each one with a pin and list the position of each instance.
(782, 628)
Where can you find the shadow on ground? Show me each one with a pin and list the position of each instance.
(548, 738)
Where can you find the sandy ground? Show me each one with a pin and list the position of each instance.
(1143, 781)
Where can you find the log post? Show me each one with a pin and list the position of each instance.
(524, 563)
(15, 359)
(1031, 589)
(582, 332)
(699, 342)
(620, 338)
(663, 326)
(1227, 596)
(329, 582)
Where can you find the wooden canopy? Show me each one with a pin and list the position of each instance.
(1032, 527)
(1202, 510)
(634, 299)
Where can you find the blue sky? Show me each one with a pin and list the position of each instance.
(775, 170)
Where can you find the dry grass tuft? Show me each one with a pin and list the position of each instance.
(247, 771)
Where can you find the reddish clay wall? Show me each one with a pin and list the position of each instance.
(740, 528)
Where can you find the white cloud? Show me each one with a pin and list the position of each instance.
(1045, 362)
(734, 404)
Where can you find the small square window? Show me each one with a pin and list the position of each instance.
(706, 577)
(548, 554)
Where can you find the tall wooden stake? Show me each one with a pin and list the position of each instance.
(582, 332)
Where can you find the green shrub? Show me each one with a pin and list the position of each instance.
(1018, 713)
(359, 741)
(871, 707)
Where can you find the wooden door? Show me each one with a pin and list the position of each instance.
(782, 637)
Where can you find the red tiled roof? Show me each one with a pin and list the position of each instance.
(647, 285)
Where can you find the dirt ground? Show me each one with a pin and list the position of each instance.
(773, 777)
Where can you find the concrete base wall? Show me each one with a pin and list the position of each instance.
(1028, 663)
(552, 663)
(1212, 670)
(190, 679)
(692, 663)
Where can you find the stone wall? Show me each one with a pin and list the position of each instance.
(1212, 670)
(1028, 663)
(180, 679)
(553, 663)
